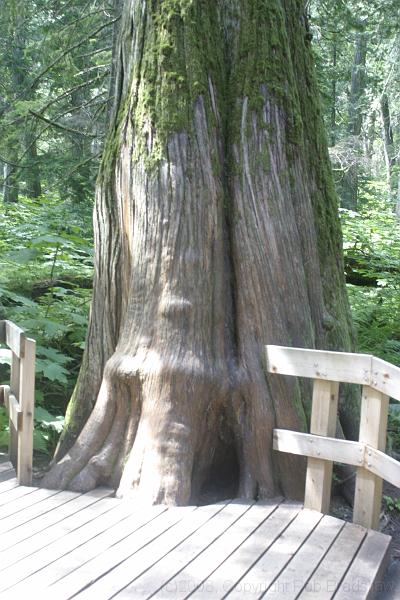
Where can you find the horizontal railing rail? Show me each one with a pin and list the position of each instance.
(379, 380)
(19, 398)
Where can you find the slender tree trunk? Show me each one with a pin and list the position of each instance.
(369, 138)
(333, 93)
(388, 147)
(397, 210)
(216, 233)
(11, 176)
(357, 87)
(32, 171)
(387, 136)
(349, 186)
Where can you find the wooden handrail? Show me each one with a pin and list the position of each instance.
(379, 380)
(341, 451)
(345, 367)
(19, 398)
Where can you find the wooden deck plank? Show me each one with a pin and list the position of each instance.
(134, 556)
(173, 562)
(36, 510)
(26, 558)
(110, 531)
(92, 547)
(49, 525)
(8, 484)
(260, 577)
(362, 578)
(324, 582)
(12, 495)
(306, 560)
(201, 567)
(91, 570)
(27, 500)
(238, 563)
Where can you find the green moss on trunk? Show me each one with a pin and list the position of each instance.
(218, 135)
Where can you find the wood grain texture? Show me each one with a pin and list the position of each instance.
(368, 490)
(363, 369)
(65, 545)
(265, 571)
(319, 364)
(364, 575)
(320, 447)
(324, 410)
(203, 568)
(325, 580)
(27, 408)
(14, 338)
(301, 567)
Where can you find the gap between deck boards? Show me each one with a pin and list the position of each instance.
(57, 544)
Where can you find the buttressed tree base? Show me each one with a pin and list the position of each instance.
(216, 232)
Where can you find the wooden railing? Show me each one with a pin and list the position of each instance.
(379, 380)
(19, 398)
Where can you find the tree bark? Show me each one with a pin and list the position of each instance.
(32, 172)
(333, 93)
(389, 149)
(349, 191)
(357, 87)
(11, 175)
(216, 233)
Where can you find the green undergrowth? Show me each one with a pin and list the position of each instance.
(46, 267)
(372, 247)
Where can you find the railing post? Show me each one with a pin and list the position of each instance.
(323, 422)
(373, 423)
(27, 404)
(15, 378)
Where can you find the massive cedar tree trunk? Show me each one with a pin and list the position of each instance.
(216, 233)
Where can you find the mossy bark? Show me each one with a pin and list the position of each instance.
(216, 233)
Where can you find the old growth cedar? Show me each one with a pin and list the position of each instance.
(216, 232)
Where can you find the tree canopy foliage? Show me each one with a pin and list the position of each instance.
(55, 62)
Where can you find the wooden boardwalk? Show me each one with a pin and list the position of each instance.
(62, 545)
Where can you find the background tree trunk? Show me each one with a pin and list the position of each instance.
(11, 175)
(32, 172)
(216, 233)
(389, 149)
(333, 92)
(349, 191)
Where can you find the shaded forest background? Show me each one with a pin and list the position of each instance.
(56, 92)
